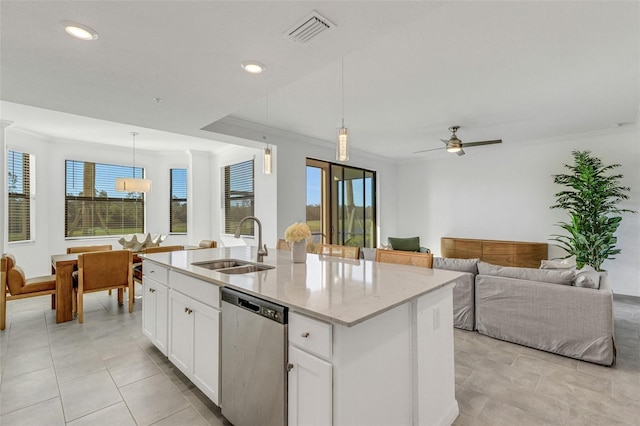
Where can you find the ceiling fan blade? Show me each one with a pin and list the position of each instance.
(467, 145)
(461, 152)
(427, 150)
(445, 141)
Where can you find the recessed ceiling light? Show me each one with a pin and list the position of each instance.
(253, 67)
(79, 31)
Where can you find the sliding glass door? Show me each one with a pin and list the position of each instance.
(341, 204)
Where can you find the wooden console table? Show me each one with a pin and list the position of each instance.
(503, 253)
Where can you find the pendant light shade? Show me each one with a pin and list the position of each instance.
(342, 151)
(133, 184)
(342, 148)
(267, 160)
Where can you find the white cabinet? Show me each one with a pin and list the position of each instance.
(310, 378)
(194, 342)
(154, 312)
(309, 389)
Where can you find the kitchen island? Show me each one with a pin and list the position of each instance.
(369, 343)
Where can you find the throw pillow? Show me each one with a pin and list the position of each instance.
(587, 277)
(405, 244)
(460, 265)
(563, 276)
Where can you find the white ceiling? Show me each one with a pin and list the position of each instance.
(511, 70)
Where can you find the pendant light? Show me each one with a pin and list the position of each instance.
(342, 148)
(267, 158)
(133, 184)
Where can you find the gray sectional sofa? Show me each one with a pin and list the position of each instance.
(542, 309)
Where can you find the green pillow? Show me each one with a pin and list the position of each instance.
(405, 244)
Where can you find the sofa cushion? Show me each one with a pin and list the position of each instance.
(460, 265)
(562, 276)
(405, 244)
(554, 264)
(587, 277)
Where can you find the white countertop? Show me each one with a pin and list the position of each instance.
(341, 291)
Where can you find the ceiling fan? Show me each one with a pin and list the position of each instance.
(455, 145)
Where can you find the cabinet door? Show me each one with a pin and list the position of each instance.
(206, 350)
(149, 308)
(154, 312)
(181, 331)
(310, 389)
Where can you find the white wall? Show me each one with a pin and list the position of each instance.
(35, 257)
(504, 193)
(265, 190)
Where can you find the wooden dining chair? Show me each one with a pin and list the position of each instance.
(208, 244)
(103, 270)
(86, 249)
(424, 260)
(14, 286)
(346, 252)
(137, 267)
(283, 245)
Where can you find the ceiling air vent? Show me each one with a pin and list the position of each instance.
(308, 28)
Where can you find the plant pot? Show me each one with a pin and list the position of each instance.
(299, 251)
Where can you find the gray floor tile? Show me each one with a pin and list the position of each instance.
(27, 363)
(114, 415)
(500, 413)
(187, 417)
(88, 394)
(44, 413)
(28, 389)
(470, 402)
(129, 368)
(78, 364)
(153, 399)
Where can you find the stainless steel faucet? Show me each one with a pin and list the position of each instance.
(262, 250)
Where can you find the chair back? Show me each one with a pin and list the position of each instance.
(424, 260)
(346, 252)
(161, 249)
(105, 269)
(13, 278)
(86, 249)
(283, 245)
(207, 244)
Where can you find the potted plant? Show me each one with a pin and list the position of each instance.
(590, 200)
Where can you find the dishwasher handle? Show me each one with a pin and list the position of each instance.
(248, 305)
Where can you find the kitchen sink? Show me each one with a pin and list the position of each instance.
(231, 266)
(245, 269)
(220, 263)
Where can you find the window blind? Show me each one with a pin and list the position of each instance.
(19, 195)
(92, 205)
(178, 202)
(237, 196)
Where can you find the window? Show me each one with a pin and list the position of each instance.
(21, 190)
(92, 205)
(341, 204)
(237, 197)
(178, 202)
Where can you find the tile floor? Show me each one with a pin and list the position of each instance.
(106, 372)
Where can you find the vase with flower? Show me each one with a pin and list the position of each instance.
(297, 235)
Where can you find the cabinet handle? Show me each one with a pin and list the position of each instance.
(289, 367)
(305, 334)
(189, 311)
(151, 290)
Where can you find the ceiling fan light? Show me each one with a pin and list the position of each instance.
(454, 147)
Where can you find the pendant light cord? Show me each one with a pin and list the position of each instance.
(134, 153)
(343, 91)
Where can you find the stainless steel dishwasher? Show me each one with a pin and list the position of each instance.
(254, 360)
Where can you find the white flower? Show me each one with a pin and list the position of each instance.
(297, 232)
